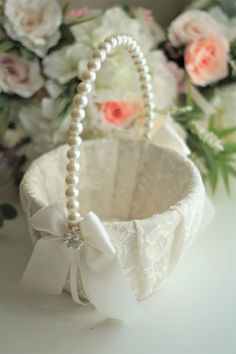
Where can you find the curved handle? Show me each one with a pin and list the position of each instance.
(80, 101)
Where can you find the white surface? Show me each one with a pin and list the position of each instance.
(194, 313)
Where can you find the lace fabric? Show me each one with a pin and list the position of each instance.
(150, 199)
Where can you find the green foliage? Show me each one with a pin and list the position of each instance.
(5, 105)
(6, 45)
(64, 100)
(218, 163)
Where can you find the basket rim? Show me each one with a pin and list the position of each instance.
(197, 186)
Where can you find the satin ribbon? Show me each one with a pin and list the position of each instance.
(94, 255)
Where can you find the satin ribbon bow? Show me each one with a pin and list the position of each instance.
(94, 255)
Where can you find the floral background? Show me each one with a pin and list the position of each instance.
(44, 49)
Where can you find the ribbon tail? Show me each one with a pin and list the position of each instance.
(105, 284)
(73, 278)
(47, 268)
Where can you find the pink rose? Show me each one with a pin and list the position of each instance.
(19, 76)
(206, 60)
(192, 25)
(119, 114)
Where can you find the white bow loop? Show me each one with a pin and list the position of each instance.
(93, 252)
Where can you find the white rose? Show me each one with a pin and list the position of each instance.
(62, 65)
(19, 76)
(192, 25)
(41, 124)
(34, 23)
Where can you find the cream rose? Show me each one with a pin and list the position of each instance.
(206, 60)
(192, 25)
(34, 23)
(19, 76)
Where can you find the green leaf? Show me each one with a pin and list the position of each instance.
(212, 166)
(65, 9)
(232, 170)
(4, 113)
(230, 148)
(225, 174)
(8, 211)
(226, 132)
(6, 45)
(26, 54)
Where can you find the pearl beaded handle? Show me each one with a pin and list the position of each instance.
(78, 113)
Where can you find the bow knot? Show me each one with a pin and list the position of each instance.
(72, 240)
(89, 249)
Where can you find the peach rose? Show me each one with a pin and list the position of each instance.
(76, 13)
(119, 114)
(206, 60)
(192, 25)
(19, 76)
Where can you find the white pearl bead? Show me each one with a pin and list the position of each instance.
(72, 178)
(72, 204)
(74, 140)
(112, 41)
(76, 127)
(84, 88)
(140, 62)
(149, 125)
(145, 78)
(73, 166)
(149, 106)
(94, 64)
(74, 216)
(77, 114)
(99, 55)
(148, 96)
(81, 100)
(143, 69)
(133, 45)
(89, 76)
(119, 39)
(138, 54)
(106, 46)
(72, 192)
(73, 153)
(125, 39)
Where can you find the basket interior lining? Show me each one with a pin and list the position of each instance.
(120, 180)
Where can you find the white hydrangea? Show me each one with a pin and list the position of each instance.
(62, 65)
(34, 23)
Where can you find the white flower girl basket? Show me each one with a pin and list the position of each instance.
(149, 198)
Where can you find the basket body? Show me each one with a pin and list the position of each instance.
(150, 200)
